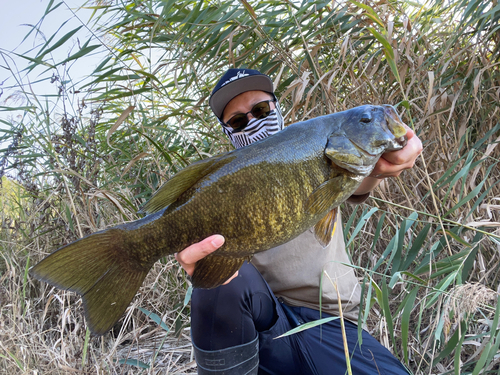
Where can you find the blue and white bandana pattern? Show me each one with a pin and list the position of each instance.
(256, 129)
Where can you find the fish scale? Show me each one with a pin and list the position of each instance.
(257, 197)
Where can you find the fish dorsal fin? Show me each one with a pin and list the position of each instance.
(181, 181)
(324, 196)
(214, 270)
(325, 228)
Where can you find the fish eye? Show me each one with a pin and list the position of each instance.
(366, 117)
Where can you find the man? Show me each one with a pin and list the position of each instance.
(234, 326)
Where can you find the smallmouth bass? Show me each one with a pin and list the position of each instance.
(257, 197)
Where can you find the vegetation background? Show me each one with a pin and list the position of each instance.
(426, 246)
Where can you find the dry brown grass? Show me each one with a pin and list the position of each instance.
(42, 329)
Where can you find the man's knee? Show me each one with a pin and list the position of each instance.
(233, 312)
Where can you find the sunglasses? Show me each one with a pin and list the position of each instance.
(240, 121)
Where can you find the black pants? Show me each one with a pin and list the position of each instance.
(236, 313)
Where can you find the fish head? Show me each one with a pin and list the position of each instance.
(363, 135)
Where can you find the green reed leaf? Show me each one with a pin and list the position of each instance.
(59, 43)
(307, 325)
(361, 223)
(155, 317)
(134, 362)
(408, 304)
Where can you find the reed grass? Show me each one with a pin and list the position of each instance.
(425, 247)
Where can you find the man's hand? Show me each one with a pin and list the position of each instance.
(190, 255)
(392, 163)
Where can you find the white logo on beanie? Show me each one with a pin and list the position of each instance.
(237, 76)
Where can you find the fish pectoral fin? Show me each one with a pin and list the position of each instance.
(325, 228)
(181, 181)
(214, 270)
(325, 196)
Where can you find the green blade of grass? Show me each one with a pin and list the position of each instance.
(307, 325)
(409, 304)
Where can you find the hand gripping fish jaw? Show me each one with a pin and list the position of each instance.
(357, 148)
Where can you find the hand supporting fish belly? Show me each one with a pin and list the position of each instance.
(288, 182)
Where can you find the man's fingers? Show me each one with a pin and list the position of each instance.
(190, 255)
(391, 164)
(408, 154)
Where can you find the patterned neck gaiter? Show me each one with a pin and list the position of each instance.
(256, 129)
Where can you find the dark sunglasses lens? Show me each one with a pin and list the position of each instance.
(238, 121)
(261, 110)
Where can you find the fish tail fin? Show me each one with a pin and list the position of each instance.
(100, 269)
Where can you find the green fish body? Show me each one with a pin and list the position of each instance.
(257, 197)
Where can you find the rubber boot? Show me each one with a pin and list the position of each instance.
(236, 360)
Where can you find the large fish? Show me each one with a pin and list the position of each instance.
(257, 197)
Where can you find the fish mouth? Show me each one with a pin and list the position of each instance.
(362, 150)
(396, 127)
(402, 141)
(353, 170)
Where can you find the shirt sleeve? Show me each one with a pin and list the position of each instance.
(357, 199)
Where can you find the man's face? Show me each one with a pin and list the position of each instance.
(243, 103)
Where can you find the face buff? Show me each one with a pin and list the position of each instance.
(256, 129)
